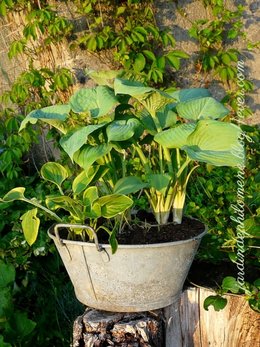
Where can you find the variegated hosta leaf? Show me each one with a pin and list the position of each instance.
(175, 137)
(167, 118)
(54, 115)
(202, 108)
(154, 101)
(159, 182)
(147, 122)
(122, 130)
(90, 154)
(30, 225)
(90, 195)
(104, 77)
(129, 185)
(133, 88)
(66, 203)
(14, 194)
(189, 94)
(98, 101)
(82, 181)
(74, 141)
(54, 172)
(114, 204)
(216, 143)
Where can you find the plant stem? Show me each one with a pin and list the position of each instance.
(168, 159)
(183, 167)
(35, 203)
(143, 159)
(178, 158)
(161, 159)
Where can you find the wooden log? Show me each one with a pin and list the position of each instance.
(183, 324)
(173, 332)
(98, 328)
(190, 325)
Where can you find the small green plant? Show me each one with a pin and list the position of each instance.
(34, 88)
(44, 26)
(212, 36)
(229, 284)
(37, 88)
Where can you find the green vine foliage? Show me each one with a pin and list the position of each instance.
(212, 35)
(33, 89)
(215, 35)
(125, 34)
(44, 26)
(130, 32)
(215, 57)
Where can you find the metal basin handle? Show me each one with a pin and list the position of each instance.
(77, 226)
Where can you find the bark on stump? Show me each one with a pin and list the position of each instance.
(100, 329)
(182, 324)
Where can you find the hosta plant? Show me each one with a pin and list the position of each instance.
(129, 140)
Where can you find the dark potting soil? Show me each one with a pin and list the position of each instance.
(148, 233)
(145, 231)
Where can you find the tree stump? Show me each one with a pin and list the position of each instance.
(101, 329)
(182, 324)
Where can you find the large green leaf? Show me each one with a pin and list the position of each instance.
(154, 101)
(14, 194)
(122, 130)
(30, 225)
(189, 94)
(90, 154)
(81, 182)
(105, 77)
(98, 101)
(175, 137)
(129, 185)
(54, 172)
(133, 88)
(147, 122)
(202, 108)
(167, 118)
(84, 99)
(114, 204)
(71, 143)
(54, 115)
(216, 143)
(159, 182)
(66, 203)
(90, 195)
(7, 274)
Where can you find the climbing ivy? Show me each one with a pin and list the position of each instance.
(125, 34)
(213, 37)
